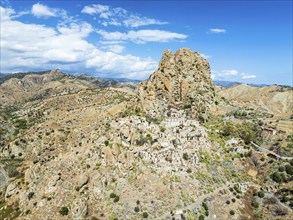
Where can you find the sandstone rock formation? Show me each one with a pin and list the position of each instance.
(183, 80)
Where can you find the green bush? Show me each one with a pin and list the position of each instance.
(232, 212)
(255, 204)
(277, 177)
(261, 194)
(116, 199)
(162, 129)
(64, 210)
(201, 217)
(185, 156)
(145, 215)
(136, 209)
(106, 142)
(228, 202)
(237, 189)
(233, 200)
(281, 169)
(289, 169)
(205, 206)
(112, 195)
(30, 195)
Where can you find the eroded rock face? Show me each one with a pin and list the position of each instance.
(183, 80)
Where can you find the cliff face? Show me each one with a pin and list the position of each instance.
(183, 80)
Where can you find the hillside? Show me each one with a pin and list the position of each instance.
(78, 147)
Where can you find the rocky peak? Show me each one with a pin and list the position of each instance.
(182, 80)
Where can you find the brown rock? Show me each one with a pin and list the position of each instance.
(182, 80)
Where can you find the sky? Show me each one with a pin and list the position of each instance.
(244, 41)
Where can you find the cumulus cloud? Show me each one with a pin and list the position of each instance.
(63, 47)
(227, 73)
(116, 48)
(142, 36)
(40, 10)
(95, 9)
(247, 76)
(217, 30)
(119, 16)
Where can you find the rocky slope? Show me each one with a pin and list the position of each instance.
(183, 80)
(108, 153)
(24, 87)
(274, 99)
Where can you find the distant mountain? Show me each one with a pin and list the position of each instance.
(124, 80)
(228, 84)
(6, 76)
(2, 75)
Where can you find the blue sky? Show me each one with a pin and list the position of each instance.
(246, 41)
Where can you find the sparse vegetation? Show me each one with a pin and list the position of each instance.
(64, 210)
(145, 215)
(261, 194)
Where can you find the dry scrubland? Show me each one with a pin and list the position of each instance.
(174, 147)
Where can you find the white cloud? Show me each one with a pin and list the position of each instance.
(116, 48)
(136, 21)
(142, 36)
(130, 66)
(119, 16)
(217, 30)
(63, 47)
(227, 73)
(247, 76)
(40, 10)
(6, 13)
(95, 9)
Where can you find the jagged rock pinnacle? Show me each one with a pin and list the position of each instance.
(182, 80)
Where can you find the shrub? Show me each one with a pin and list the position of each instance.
(237, 189)
(145, 215)
(205, 206)
(255, 204)
(64, 210)
(136, 209)
(228, 202)
(233, 200)
(289, 169)
(106, 142)
(201, 217)
(261, 194)
(277, 177)
(185, 156)
(162, 129)
(281, 169)
(30, 195)
(232, 212)
(116, 199)
(238, 196)
(112, 195)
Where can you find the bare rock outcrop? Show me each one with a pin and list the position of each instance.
(183, 80)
